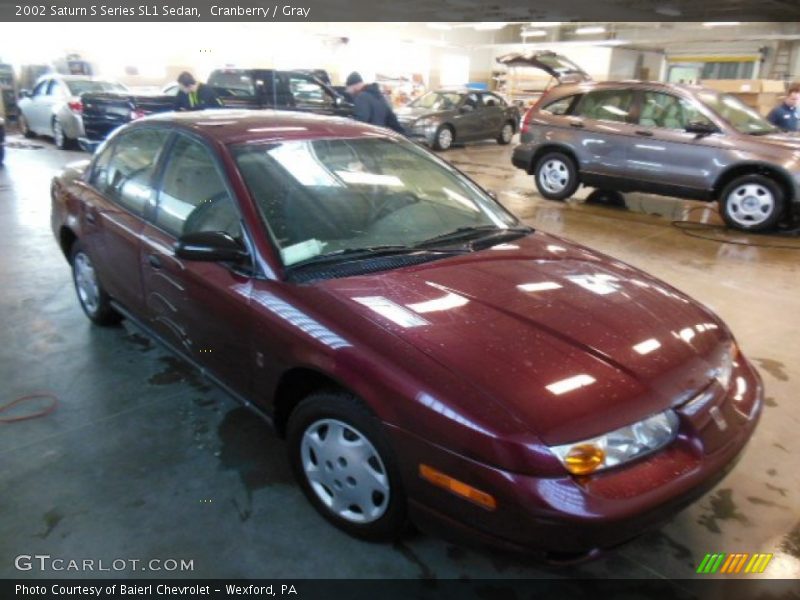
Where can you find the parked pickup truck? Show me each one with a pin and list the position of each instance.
(236, 88)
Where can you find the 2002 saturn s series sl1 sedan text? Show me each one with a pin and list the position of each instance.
(426, 355)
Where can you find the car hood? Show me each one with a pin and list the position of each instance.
(784, 140)
(573, 343)
(412, 113)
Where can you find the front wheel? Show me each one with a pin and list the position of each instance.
(443, 139)
(506, 134)
(94, 300)
(752, 203)
(556, 176)
(341, 458)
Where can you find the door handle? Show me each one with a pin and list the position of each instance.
(154, 261)
(645, 133)
(577, 124)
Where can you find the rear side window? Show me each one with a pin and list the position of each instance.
(193, 194)
(232, 83)
(606, 105)
(561, 106)
(127, 178)
(668, 111)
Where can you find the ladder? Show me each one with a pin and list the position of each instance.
(781, 68)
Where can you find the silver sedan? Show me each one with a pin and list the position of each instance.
(54, 108)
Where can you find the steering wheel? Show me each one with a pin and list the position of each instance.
(201, 212)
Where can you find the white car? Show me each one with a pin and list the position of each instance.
(54, 107)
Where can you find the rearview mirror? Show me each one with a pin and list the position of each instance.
(701, 128)
(209, 246)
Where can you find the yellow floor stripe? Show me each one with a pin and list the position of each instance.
(767, 558)
(741, 562)
(751, 564)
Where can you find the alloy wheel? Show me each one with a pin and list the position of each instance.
(554, 176)
(86, 283)
(507, 133)
(445, 138)
(750, 204)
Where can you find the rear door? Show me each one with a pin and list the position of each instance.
(37, 112)
(664, 153)
(119, 194)
(604, 129)
(201, 308)
(494, 110)
(469, 120)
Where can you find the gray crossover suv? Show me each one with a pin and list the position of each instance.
(667, 139)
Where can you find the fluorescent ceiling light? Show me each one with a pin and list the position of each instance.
(590, 30)
(534, 33)
(440, 26)
(488, 26)
(545, 24)
(722, 23)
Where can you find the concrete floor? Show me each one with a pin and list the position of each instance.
(143, 460)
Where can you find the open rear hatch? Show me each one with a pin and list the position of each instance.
(555, 65)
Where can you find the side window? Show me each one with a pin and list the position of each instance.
(193, 194)
(473, 100)
(55, 88)
(99, 176)
(307, 91)
(561, 106)
(606, 105)
(128, 176)
(668, 111)
(41, 87)
(492, 100)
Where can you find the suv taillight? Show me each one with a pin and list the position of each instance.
(526, 119)
(75, 106)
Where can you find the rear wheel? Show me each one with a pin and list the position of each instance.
(556, 176)
(24, 128)
(506, 134)
(340, 457)
(63, 142)
(94, 300)
(444, 137)
(752, 203)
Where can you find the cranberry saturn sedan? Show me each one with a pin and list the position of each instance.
(427, 357)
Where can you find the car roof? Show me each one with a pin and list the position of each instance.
(230, 126)
(579, 87)
(71, 77)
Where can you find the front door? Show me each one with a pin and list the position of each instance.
(664, 153)
(202, 308)
(469, 121)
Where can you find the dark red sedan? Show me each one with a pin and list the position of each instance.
(427, 356)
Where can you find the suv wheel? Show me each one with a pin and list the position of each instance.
(94, 300)
(752, 203)
(506, 133)
(443, 138)
(556, 176)
(345, 466)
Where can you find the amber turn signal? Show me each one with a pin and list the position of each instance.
(459, 488)
(583, 459)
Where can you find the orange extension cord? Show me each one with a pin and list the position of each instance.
(34, 415)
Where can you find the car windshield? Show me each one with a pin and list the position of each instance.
(438, 101)
(84, 86)
(322, 197)
(740, 116)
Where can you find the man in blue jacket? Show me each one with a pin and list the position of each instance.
(784, 116)
(370, 105)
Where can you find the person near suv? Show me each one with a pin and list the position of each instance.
(370, 105)
(784, 116)
(194, 95)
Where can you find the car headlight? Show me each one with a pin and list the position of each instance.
(722, 373)
(424, 123)
(620, 446)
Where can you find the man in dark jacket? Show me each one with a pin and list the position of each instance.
(370, 105)
(784, 116)
(194, 95)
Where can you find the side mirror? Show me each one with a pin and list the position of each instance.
(24, 93)
(701, 128)
(209, 246)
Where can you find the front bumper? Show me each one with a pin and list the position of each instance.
(579, 516)
(422, 135)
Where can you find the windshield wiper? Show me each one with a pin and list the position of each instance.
(472, 233)
(348, 254)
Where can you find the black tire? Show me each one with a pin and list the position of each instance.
(441, 140)
(504, 139)
(349, 410)
(23, 127)
(560, 163)
(99, 312)
(764, 194)
(63, 141)
(2, 153)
